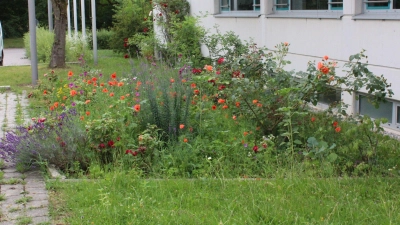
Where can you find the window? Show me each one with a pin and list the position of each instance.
(385, 110)
(331, 96)
(309, 4)
(239, 5)
(382, 4)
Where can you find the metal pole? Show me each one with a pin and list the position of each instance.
(83, 18)
(75, 19)
(32, 32)
(69, 19)
(50, 15)
(94, 31)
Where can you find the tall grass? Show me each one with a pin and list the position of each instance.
(122, 199)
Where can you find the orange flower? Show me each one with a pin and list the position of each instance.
(234, 117)
(94, 79)
(325, 70)
(255, 101)
(73, 93)
(172, 80)
(51, 108)
(87, 113)
(320, 65)
(221, 101)
(237, 104)
(89, 82)
(105, 90)
(337, 129)
(208, 67)
(136, 107)
(312, 119)
(245, 133)
(259, 105)
(286, 43)
(326, 57)
(64, 97)
(87, 101)
(331, 78)
(62, 105)
(102, 84)
(112, 94)
(45, 92)
(70, 73)
(193, 85)
(196, 92)
(114, 75)
(82, 118)
(138, 84)
(185, 140)
(183, 80)
(214, 107)
(181, 126)
(120, 84)
(334, 124)
(225, 106)
(55, 104)
(122, 97)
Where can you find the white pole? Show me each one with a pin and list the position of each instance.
(75, 19)
(50, 15)
(94, 31)
(69, 19)
(83, 18)
(32, 32)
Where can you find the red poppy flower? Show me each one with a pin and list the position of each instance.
(114, 75)
(136, 107)
(255, 148)
(337, 129)
(214, 107)
(73, 93)
(102, 145)
(196, 92)
(126, 56)
(110, 144)
(181, 126)
(334, 124)
(312, 119)
(221, 101)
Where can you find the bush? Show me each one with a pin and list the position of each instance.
(104, 38)
(74, 47)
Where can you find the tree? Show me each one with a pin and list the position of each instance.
(57, 59)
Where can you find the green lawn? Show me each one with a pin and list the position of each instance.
(122, 199)
(13, 43)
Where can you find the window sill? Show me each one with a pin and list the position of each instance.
(238, 15)
(307, 15)
(377, 16)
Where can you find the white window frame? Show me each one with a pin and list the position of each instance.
(377, 13)
(225, 10)
(389, 8)
(330, 13)
(391, 124)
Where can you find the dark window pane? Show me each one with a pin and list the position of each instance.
(383, 5)
(245, 4)
(331, 96)
(398, 114)
(396, 4)
(282, 4)
(309, 4)
(384, 110)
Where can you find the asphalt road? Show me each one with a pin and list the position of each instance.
(15, 57)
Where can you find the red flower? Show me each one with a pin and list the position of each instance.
(110, 144)
(214, 107)
(126, 56)
(145, 29)
(237, 104)
(325, 70)
(255, 148)
(221, 101)
(221, 87)
(220, 60)
(312, 119)
(102, 145)
(225, 106)
(196, 92)
(114, 75)
(136, 107)
(337, 129)
(334, 124)
(134, 153)
(128, 151)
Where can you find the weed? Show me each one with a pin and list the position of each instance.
(11, 210)
(24, 200)
(2, 197)
(24, 220)
(11, 181)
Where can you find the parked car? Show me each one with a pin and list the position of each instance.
(1, 46)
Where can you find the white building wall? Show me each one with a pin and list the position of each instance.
(312, 38)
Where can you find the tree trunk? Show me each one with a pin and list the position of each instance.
(57, 59)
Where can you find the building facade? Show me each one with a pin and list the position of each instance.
(314, 28)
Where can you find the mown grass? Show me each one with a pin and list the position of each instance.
(120, 199)
(20, 78)
(13, 43)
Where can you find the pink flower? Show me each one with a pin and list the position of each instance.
(326, 57)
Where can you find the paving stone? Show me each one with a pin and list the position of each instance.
(11, 201)
(35, 184)
(7, 187)
(35, 190)
(10, 170)
(39, 197)
(13, 215)
(37, 212)
(8, 223)
(16, 191)
(12, 175)
(40, 219)
(37, 204)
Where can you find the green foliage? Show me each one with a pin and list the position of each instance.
(104, 39)
(75, 46)
(127, 21)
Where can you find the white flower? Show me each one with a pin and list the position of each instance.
(209, 158)
(150, 13)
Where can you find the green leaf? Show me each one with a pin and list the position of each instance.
(297, 142)
(332, 157)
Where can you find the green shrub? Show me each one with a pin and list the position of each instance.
(104, 38)
(74, 47)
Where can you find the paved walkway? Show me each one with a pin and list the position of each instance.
(23, 196)
(15, 57)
